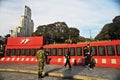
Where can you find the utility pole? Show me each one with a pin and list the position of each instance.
(90, 34)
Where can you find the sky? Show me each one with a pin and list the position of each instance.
(88, 16)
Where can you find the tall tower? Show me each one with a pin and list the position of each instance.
(26, 25)
(27, 12)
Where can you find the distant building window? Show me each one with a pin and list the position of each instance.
(72, 51)
(23, 52)
(17, 52)
(118, 49)
(49, 51)
(79, 51)
(13, 52)
(33, 52)
(110, 50)
(8, 52)
(28, 52)
(94, 51)
(54, 52)
(65, 51)
(60, 52)
(101, 50)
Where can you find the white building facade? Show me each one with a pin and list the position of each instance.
(26, 25)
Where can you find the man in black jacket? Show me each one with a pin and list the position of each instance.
(67, 56)
(88, 56)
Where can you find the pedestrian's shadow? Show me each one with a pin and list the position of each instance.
(47, 73)
(76, 69)
(56, 69)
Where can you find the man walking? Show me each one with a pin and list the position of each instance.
(88, 56)
(67, 56)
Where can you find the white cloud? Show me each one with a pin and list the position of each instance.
(82, 14)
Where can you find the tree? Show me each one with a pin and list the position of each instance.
(57, 32)
(110, 31)
(73, 34)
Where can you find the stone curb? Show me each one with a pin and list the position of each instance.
(53, 74)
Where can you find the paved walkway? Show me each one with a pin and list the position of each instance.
(96, 73)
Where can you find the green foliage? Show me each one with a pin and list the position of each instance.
(57, 32)
(110, 31)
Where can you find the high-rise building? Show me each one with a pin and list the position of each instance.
(26, 25)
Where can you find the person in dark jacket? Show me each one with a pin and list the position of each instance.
(88, 56)
(67, 56)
